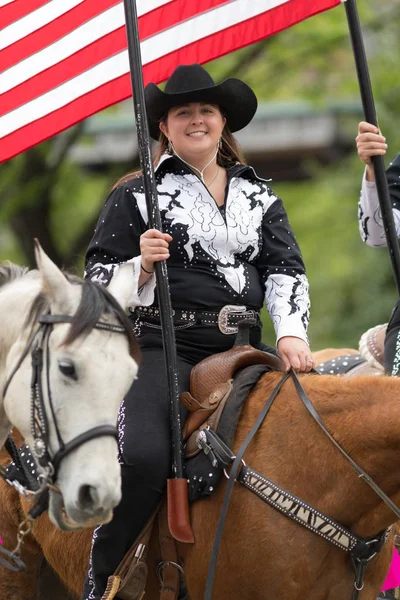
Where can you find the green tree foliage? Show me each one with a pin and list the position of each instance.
(352, 285)
(44, 195)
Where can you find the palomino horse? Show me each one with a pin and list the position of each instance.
(73, 340)
(264, 555)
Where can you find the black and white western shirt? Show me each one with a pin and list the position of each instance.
(239, 253)
(369, 213)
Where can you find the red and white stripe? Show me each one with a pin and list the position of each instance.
(64, 60)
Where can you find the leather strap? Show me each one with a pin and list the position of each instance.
(129, 579)
(361, 474)
(227, 320)
(167, 570)
(365, 548)
(20, 473)
(204, 317)
(232, 478)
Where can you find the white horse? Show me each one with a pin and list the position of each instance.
(89, 362)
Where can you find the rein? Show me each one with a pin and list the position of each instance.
(39, 347)
(231, 482)
(361, 550)
(362, 474)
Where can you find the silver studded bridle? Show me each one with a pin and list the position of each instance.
(40, 357)
(38, 346)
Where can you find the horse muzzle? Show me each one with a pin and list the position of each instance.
(86, 512)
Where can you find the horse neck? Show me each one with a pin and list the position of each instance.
(365, 424)
(293, 451)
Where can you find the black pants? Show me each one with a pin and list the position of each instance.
(392, 343)
(144, 440)
(145, 466)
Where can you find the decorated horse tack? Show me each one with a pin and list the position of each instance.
(361, 550)
(39, 347)
(58, 433)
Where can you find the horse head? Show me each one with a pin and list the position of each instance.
(67, 369)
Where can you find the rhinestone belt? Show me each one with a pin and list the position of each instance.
(227, 318)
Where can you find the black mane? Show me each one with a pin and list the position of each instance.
(95, 302)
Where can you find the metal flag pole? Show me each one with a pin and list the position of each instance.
(178, 505)
(370, 116)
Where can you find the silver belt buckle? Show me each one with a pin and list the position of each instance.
(223, 318)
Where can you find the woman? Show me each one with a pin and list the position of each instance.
(228, 244)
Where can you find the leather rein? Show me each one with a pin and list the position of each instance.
(361, 550)
(38, 346)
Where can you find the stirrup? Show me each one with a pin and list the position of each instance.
(135, 590)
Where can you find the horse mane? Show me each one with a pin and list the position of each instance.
(95, 302)
(10, 271)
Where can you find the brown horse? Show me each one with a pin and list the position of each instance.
(264, 555)
(36, 582)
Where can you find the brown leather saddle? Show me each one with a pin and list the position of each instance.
(210, 387)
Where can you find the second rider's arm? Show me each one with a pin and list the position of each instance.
(370, 143)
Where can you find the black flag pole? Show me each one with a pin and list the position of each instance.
(178, 505)
(370, 116)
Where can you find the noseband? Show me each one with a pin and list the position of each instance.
(39, 417)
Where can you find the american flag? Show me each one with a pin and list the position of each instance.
(64, 60)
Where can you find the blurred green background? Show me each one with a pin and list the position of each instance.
(45, 193)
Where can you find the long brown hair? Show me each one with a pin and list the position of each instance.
(229, 153)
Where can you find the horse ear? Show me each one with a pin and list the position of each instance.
(122, 284)
(54, 284)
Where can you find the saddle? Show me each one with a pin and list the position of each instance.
(369, 361)
(211, 384)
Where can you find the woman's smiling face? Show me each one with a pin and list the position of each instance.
(194, 130)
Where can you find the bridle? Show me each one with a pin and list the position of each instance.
(40, 357)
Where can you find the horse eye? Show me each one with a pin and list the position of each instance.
(67, 368)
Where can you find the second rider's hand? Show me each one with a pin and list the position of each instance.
(154, 246)
(295, 353)
(370, 142)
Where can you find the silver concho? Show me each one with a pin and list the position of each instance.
(39, 447)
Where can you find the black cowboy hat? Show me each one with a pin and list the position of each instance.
(192, 83)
